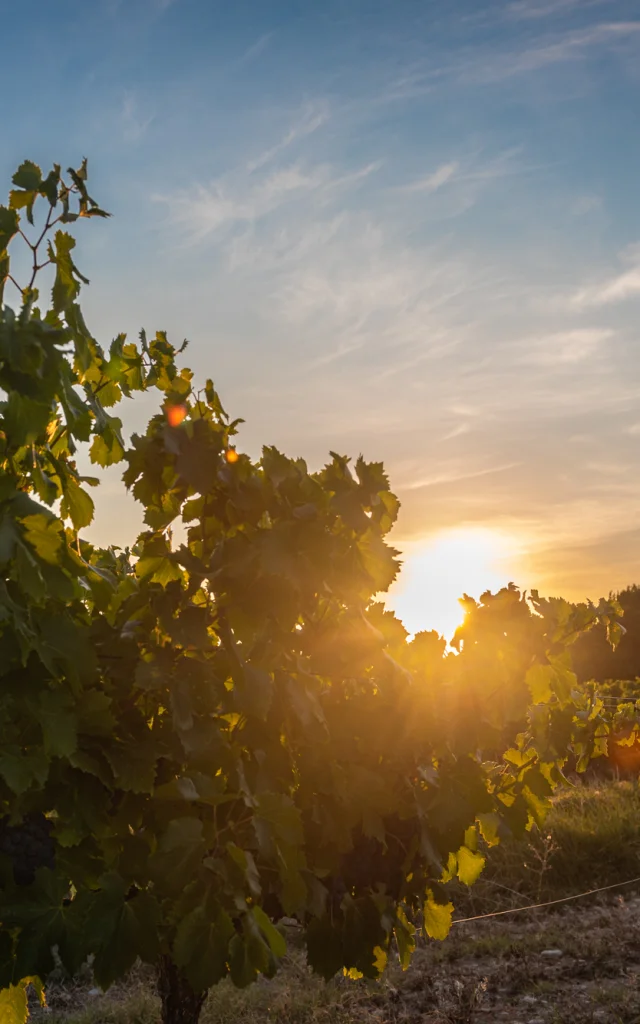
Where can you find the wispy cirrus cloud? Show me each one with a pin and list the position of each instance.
(234, 201)
(257, 48)
(574, 45)
(443, 174)
(482, 64)
(312, 117)
(466, 178)
(451, 476)
(475, 169)
(206, 209)
(527, 10)
(564, 348)
(618, 288)
(134, 123)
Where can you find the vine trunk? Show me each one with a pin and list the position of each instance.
(180, 1004)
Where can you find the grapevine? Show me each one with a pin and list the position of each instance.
(221, 731)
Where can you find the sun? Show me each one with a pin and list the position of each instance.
(437, 572)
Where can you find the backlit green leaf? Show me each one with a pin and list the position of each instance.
(9, 222)
(78, 505)
(276, 940)
(45, 537)
(405, 938)
(539, 681)
(201, 946)
(28, 176)
(180, 852)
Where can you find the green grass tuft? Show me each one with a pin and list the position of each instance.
(591, 838)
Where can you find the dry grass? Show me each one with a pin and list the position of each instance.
(591, 839)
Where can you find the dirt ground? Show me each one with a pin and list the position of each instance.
(577, 965)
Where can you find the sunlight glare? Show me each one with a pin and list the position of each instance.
(436, 574)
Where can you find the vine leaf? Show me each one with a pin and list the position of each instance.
(437, 918)
(14, 1003)
(201, 946)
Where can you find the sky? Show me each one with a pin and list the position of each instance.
(407, 228)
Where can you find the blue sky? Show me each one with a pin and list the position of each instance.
(405, 228)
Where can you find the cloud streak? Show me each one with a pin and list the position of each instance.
(468, 176)
(134, 126)
(439, 479)
(207, 209)
(483, 65)
(312, 118)
(531, 10)
(257, 48)
(569, 47)
(619, 288)
(565, 348)
(443, 174)
(239, 200)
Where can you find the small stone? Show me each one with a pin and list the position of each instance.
(93, 992)
(529, 1000)
(535, 1020)
(551, 954)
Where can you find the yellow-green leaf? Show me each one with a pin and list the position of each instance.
(405, 938)
(518, 757)
(353, 973)
(159, 569)
(380, 959)
(490, 828)
(539, 680)
(471, 838)
(14, 1006)
(437, 918)
(276, 939)
(78, 505)
(451, 869)
(45, 535)
(470, 865)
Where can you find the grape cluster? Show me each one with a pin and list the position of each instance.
(29, 846)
